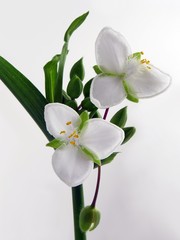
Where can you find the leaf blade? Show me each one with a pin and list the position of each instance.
(26, 93)
(74, 25)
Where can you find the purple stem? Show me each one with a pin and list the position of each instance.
(93, 204)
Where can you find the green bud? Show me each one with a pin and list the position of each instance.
(89, 218)
(129, 132)
(88, 105)
(87, 86)
(72, 104)
(75, 87)
(55, 143)
(120, 118)
(78, 70)
(95, 114)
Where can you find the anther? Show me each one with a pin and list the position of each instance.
(148, 67)
(76, 136)
(68, 123)
(73, 142)
(72, 134)
(142, 53)
(62, 132)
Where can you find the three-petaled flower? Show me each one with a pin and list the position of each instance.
(79, 142)
(123, 74)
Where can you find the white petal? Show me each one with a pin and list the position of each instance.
(106, 91)
(71, 165)
(101, 137)
(57, 115)
(112, 50)
(149, 82)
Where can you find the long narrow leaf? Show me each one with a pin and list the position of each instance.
(59, 83)
(74, 25)
(27, 94)
(50, 71)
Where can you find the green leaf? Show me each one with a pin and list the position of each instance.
(27, 94)
(89, 218)
(84, 117)
(59, 80)
(91, 155)
(74, 25)
(88, 105)
(131, 96)
(107, 160)
(97, 69)
(75, 87)
(129, 132)
(78, 70)
(50, 71)
(120, 118)
(86, 90)
(55, 143)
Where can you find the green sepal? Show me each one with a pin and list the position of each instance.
(129, 132)
(89, 218)
(120, 118)
(75, 87)
(95, 114)
(78, 70)
(27, 94)
(88, 105)
(74, 25)
(86, 90)
(55, 143)
(91, 155)
(137, 55)
(97, 69)
(50, 71)
(131, 96)
(72, 104)
(84, 116)
(107, 160)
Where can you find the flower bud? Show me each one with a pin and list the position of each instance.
(89, 218)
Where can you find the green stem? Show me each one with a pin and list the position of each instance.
(78, 204)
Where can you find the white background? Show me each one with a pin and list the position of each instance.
(140, 191)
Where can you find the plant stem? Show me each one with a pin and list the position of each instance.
(93, 204)
(78, 204)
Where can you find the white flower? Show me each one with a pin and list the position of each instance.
(123, 74)
(80, 142)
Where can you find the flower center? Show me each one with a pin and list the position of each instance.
(71, 136)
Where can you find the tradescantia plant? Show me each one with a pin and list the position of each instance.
(81, 138)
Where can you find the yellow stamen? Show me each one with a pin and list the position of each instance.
(72, 142)
(62, 132)
(68, 123)
(148, 67)
(72, 134)
(143, 61)
(76, 136)
(142, 53)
